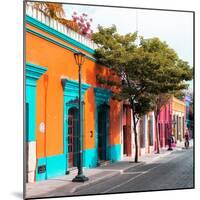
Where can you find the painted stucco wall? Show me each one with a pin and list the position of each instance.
(49, 51)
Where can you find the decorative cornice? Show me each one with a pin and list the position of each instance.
(33, 73)
(102, 95)
(71, 87)
(44, 27)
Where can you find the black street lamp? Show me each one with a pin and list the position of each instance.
(80, 58)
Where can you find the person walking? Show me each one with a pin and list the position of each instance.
(186, 138)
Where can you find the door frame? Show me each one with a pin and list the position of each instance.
(102, 97)
(70, 95)
(32, 74)
(105, 109)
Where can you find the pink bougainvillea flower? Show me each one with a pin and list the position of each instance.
(84, 23)
(88, 24)
(84, 14)
(81, 19)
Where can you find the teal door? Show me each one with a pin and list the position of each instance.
(102, 134)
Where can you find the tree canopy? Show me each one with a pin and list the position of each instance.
(147, 70)
(151, 67)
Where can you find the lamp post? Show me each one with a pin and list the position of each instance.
(79, 59)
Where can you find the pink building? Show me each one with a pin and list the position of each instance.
(171, 121)
(165, 124)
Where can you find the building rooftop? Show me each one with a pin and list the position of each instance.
(36, 14)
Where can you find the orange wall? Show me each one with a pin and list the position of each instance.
(60, 62)
(178, 105)
(115, 109)
(89, 123)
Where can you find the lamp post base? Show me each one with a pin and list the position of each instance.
(80, 178)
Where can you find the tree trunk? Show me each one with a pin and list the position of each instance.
(135, 135)
(136, 140)
(157, 136)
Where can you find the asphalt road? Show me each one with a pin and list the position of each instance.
(174, 171)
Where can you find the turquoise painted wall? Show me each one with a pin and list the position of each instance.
(33, 73)
(90, 158)
(55, 166)
(31, 118)
(41, 176)
(115, 152)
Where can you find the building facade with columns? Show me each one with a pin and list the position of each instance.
(146, 134)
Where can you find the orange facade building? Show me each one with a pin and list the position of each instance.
(51, 102)
(51, 92)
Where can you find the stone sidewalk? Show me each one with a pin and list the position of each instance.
(41, 189)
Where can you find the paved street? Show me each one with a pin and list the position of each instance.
(173, 171)
(167, 170)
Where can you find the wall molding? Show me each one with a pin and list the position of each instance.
(48, 29)
(102, 95)
(33, 73)
(56, 42)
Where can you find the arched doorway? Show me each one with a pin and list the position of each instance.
(72, 137)
(102, 121)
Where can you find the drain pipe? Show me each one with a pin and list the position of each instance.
(45, 119)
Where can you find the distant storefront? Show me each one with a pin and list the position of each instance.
(172, 121)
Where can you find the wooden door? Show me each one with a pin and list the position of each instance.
(70, 140)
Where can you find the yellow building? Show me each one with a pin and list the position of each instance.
(178, 114)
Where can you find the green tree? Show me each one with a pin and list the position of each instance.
(122, 55)
(170, 79)
(144, 69)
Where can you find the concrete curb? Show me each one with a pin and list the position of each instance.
(94, 181)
